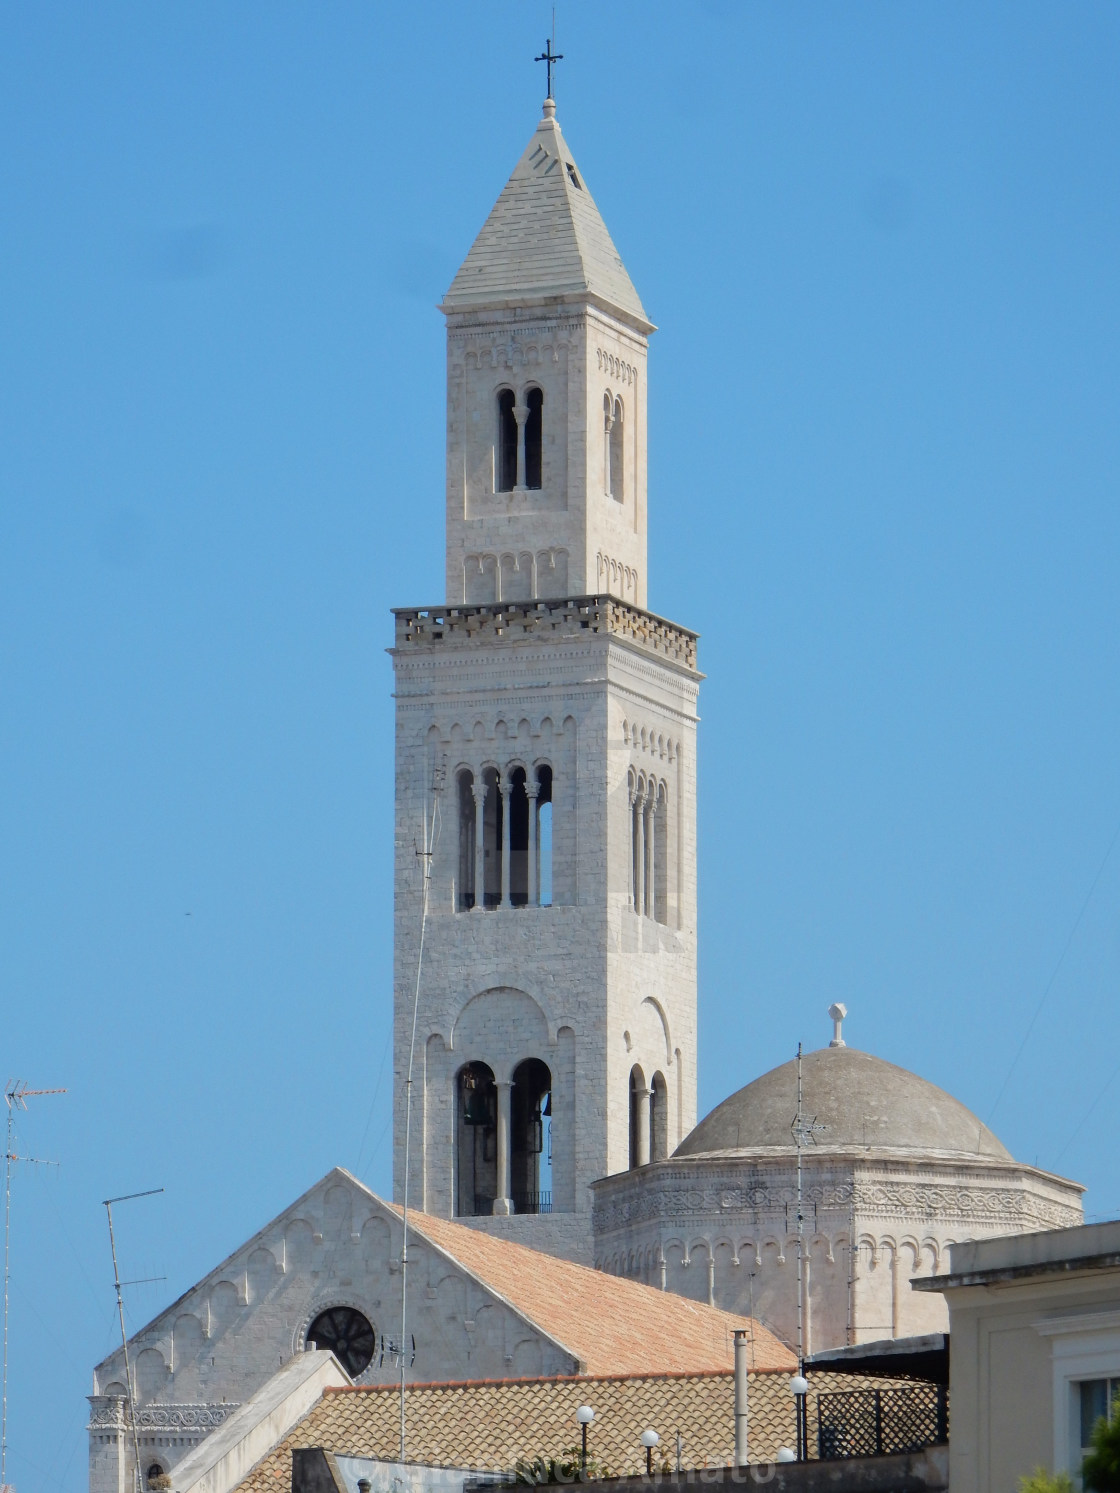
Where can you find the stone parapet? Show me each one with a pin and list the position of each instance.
(572, 616)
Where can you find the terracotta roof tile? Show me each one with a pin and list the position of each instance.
(610, 1325)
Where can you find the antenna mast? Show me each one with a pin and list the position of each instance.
(804, 1133)
(430, 838)
(15, 1095)
(128, 1196)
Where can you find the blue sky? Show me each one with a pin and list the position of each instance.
(880, 242)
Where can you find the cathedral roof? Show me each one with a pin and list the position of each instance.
(545, 239)
(611, 1325)
(862, 1102)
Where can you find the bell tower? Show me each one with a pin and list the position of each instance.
(546, 732)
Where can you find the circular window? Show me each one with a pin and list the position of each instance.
(348, 1336)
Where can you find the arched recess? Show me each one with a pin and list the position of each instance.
(531, 1137)
(476, 1120)
(658, 1118)
(616, 438)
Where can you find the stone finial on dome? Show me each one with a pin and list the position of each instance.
(837, 1011)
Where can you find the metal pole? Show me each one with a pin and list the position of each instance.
(742, 1339)
(7, 1278)
(583, 1452)
(426, 854)
(800, 1234)
(124, 1345)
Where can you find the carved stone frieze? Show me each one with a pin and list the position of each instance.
(112, 1412)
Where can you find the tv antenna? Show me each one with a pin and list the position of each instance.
(16, 1095)
(390, 1351)
(425, 856)
(804, 1131)
(108, 1205)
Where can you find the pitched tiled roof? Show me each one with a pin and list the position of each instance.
(494, 1425)
(610, 1325)
(545, 237)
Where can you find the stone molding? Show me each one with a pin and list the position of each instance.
(951, 1202)
(110, 1413)
(567, 617)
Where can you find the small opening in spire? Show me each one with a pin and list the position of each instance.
(572, 177)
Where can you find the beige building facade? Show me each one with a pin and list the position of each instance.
(1034, 1325)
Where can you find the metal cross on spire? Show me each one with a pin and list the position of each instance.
(548, 56)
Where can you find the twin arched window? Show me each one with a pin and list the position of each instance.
(520, 444)
(649, 1118)
(649, 858)
(503, 1140)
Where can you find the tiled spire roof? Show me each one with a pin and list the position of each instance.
(545, 238)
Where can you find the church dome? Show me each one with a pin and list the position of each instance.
(862, 1101)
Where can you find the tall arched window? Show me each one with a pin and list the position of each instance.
(531, 1137)
(658, 1118)
(492, 826)
(534, 438)
(639, 1118)
(476, 1124)
(617, 488)
(519, 810)
(506, 464)
(467, 856)
(659, 904)
(544, 835)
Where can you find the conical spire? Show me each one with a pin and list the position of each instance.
(545, 238)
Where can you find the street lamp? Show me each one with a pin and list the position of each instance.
(785, 1455)
(585, 1415)
(799, 1388)
(649, 1441)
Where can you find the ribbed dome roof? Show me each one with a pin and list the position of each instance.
(861, 1100)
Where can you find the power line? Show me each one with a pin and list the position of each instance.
(1054, 975)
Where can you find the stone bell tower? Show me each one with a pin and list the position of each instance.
(546, 729)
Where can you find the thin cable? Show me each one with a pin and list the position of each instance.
(1088, 1115)
(1054, 976)
(429, 851)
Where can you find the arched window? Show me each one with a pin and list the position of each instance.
(506, 464)
(617, 487)
(492, 826)
(534, 438)
(476, 1123)
(531, 1137)
(467, 856)
(639, 1118)
(608, 422)
(154, 1477)
(544, 835)
(659, 904)
(519, 813)
(658, 1118)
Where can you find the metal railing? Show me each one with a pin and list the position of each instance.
(532, 1202)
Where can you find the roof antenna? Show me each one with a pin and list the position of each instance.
(425, 856)
(837, 1011)
(108, 1205)
(804, 1131)
(15, 1095)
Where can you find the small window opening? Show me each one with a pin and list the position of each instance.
(534, 438)
(531, 1137)
(572, 177)
(519, 807)
(507, 442)
(476, 1122)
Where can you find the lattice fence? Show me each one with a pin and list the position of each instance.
(871, 1422)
